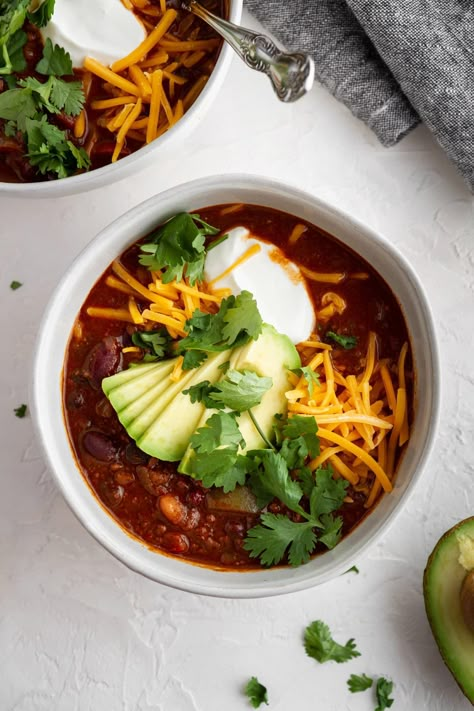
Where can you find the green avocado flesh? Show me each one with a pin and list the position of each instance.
(161, 418)
(447, 567)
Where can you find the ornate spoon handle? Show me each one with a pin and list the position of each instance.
(291, 74)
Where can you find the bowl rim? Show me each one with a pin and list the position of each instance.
(142, 158)
(266, 586)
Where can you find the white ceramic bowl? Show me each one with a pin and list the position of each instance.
(53, 339)
(162, 149)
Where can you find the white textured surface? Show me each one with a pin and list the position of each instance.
(78, 631)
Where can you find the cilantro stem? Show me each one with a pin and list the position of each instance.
(259, 430)
(219, 240)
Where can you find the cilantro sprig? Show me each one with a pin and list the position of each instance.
(20, 411)
(12, 17)
(29, 106)
(383, 690)
(320, 645)
(155, 343)
(42, 15)
(239, 391)
(236, 323)
(179, 248)
(256, 693)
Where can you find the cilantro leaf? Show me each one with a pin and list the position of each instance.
(310, 376)
(155, 343)
(327, 494)
(359, 683)
(220, 430)
(332, 530)
(55, 60)
(15, 50)
(200, 393)
(353, 569)
(256, 692)
(216, 461)
(42, 15)
(277, 533)
(236, 323)
(56, 95)
(178, 247)
(240, 391)
(20, 411)
(193, 359)
(320, 645)
(12, 17)
(274, 480)
(17, 105)
(383, 690)
(222, 467)
(15, 285)
(298, 439)
(346, 342)
(50, 151)
(242, 317)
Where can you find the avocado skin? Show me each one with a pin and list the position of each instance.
(442, 581)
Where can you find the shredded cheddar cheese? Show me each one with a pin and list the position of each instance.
(361, 419)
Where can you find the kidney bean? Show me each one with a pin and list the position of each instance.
(104, 359)
(176, 542)
(99, 446)
(172, 509)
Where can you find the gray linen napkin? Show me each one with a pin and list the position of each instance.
(391, 62)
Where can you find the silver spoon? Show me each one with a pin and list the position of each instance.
(291, 74)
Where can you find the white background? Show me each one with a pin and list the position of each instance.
(79, 631)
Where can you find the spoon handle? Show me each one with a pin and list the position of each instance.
(291, 74)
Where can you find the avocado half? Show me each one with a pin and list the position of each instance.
(448, 588)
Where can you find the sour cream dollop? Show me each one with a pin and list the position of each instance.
(277, 284)
(102, 29)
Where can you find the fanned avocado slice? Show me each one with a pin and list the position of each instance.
(448, 588)
(153, 408)
(271, 355)
(168, 435)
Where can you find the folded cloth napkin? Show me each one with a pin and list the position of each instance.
(392, 63)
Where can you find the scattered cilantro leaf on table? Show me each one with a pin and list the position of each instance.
(383, 690)
(42, 15)
(353, 569)
(359, 683)
(15, 285)
(155, 343)
(346, 342)
(179, 248)
(320, 645)
(55, 61)
(20, 411)
(256, 693)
